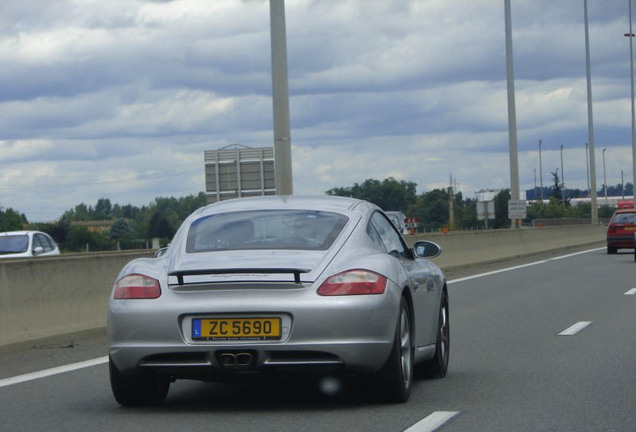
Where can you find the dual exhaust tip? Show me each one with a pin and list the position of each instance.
(236, 360)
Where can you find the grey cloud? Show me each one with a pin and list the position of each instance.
(106, 87)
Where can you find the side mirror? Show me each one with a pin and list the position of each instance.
(426, 249)
(38, 250)
(161, 252)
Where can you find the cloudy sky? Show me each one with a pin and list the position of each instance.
(119, 99)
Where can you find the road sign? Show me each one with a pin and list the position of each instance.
(517, 209)
(485, 210)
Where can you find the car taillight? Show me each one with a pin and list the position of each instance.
(353, 282)
(137, 286)
(611, 229)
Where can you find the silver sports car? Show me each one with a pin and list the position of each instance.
(280, 284)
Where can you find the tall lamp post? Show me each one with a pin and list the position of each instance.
(590, 119)
(604, 176)
(587, 166)
(562, 177)
(622, 185)
(540, 172)
(512, 116)
(280, 99)
(630, 35)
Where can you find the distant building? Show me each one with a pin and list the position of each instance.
(237, 171)
(611, 201)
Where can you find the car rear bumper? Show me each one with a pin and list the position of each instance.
(625, 242)
(351, 333)
(219, 362)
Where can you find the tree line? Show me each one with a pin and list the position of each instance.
(129, 227)
(433, 208)
(133, 227)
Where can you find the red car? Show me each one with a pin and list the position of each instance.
(621, 230)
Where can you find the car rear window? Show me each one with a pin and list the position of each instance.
(14, 244)
(624, 218)
(265, 229)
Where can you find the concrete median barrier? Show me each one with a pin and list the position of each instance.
(480, 247)
(46, 297)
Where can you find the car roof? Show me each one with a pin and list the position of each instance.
(7, 233)
(621, 211)
(320, 202)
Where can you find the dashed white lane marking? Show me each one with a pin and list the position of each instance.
(571, 331)
(53, 371)
(631, 292)
(433, 421)
(494, 272)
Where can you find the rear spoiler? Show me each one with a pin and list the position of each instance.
(295, 271)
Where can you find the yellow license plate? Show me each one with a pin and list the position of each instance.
(630, 228)
(225, 329)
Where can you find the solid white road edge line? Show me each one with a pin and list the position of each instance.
(631, 292)
(494, 272)
(433, 421)
(100, 360)
(571, 331)
(53, 371)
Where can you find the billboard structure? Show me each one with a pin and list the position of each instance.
(237, 171)
(486, 205)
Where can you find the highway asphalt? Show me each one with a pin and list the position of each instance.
(541, 344)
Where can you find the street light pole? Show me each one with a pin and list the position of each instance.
(280, 98)
(590, 119)
(604, 176)
(631, 68)
(562, 177)
(512, 116)
(587, 166)
(540, 172)
(622, 185)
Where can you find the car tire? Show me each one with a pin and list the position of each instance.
(438, 365)
(394, 381)
(138, 390)
(611, 250)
